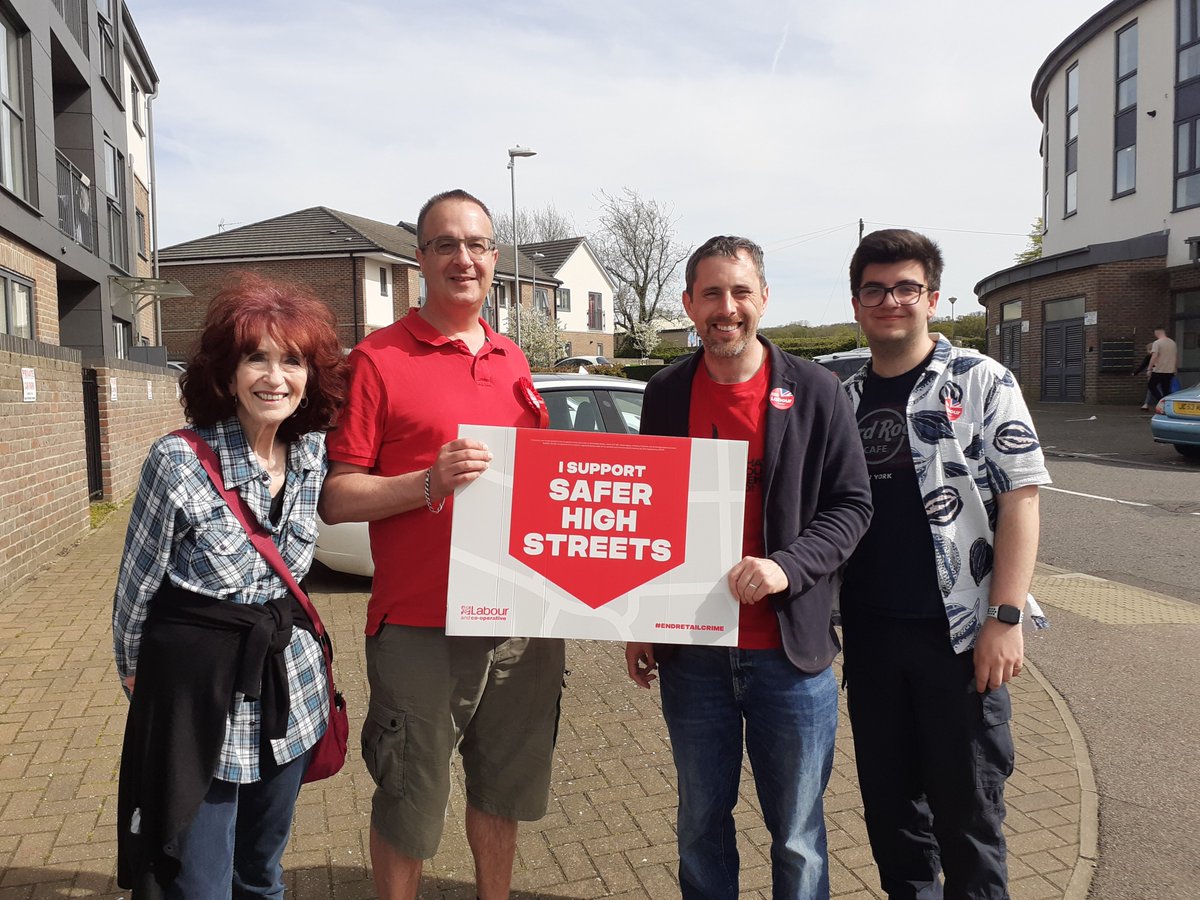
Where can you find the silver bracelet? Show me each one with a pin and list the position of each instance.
(429, 499)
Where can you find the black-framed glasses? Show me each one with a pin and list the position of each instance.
(906, 293)
(448, 246)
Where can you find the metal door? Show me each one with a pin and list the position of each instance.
(91, 430)
(1062, 361)
(1010, 348)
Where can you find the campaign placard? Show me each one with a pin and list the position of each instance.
(602, 536)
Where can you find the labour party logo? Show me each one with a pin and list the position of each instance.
(598, 515)
(782, 398)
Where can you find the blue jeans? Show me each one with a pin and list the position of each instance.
(234, 845)
(790, 720)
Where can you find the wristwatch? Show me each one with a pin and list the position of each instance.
(1009, 615)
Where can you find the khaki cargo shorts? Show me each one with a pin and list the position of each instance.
(496, 699)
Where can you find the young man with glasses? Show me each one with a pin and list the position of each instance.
(935, 593)
(807, 503)
(396, 462)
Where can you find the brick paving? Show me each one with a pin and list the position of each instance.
(610, 829)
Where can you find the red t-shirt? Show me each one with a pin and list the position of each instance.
(734, 412)
(410, 389)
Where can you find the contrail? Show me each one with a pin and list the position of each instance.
(782, 41)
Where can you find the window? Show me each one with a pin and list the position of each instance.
(500, 294)
(16, 305)
(114, 186)
(383, 281)
(1125, 123)
(1189, 40)
(1059, 310)
(1045, 148)
(1011, 311)
(421, 290)
(12, 116)
(563, 302)
(1071, 193)
(595, 311)
(141, 233)
(541, 301)
(105, 20)
(1187, 164)
(135, 104)
(122, 338)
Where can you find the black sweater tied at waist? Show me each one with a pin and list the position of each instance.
(196, 654)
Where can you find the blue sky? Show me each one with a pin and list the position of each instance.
(783, 121)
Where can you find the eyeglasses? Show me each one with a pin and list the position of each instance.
(448, 246)
(906, 293)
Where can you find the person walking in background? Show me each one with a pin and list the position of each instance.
(218, 735)
(397, 461)
(934, 595)
(1164, 359)
(807, 504)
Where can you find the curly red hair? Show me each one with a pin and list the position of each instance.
(246, 309)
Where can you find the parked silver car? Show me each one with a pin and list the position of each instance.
(846, 363)
(576, 403)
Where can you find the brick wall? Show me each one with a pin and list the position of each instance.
(40, 269)
(43, 457)
(338, 281)
(1128, 298)
(583, 343)
(132, 422)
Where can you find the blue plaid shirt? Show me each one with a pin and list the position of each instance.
(182, 529)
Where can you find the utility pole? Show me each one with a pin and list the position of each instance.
(857, 327)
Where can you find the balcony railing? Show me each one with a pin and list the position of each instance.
(74, 13)
(76, 204)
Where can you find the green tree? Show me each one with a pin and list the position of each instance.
(1033, 250)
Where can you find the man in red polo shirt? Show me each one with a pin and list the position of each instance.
(395, 461)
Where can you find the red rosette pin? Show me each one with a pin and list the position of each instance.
(532, 399)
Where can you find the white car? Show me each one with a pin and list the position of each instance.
(576, 403)
(574, 362)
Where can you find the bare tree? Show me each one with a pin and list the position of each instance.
(636, 242)
(534, 226)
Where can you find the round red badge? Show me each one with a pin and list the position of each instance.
(782, 398)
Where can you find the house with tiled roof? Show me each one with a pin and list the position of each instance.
(366, 270)
(584, 301)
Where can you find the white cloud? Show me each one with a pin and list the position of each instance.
(773, 119)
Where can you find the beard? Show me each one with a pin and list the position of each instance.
(729, 349)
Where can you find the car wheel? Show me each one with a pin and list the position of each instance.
(1191, 451)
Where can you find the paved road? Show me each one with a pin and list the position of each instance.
(1129, 680)
(1121, 506)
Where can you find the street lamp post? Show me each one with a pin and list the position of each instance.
(953, 320)
(513, 153)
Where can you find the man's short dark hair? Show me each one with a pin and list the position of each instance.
(724, 245)
(456, 194)
(893, 245)
(1162, 328)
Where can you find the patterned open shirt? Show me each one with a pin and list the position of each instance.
(972, 438)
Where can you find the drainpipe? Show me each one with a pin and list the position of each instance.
(153, 212)
(354, 295)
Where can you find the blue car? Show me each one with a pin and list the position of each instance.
(1177, 421)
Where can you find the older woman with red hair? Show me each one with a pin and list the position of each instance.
(218, 735)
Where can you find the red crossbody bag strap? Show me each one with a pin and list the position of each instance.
(258, 535)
